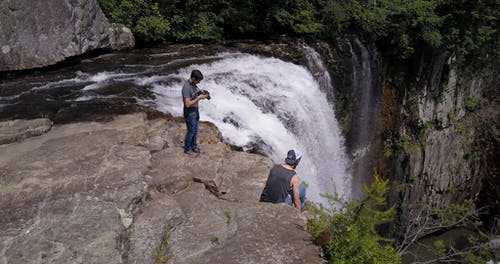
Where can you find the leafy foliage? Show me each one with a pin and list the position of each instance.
(474, 104)
(141, 16)
(203, 27)
(152, 28)
(402, 24)
(469, 25)
(465, 28)
(349, 235)
(299, 17)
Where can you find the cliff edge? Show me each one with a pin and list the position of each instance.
(124, 192)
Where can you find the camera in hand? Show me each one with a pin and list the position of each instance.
(204, 92)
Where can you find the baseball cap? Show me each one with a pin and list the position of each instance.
(292, 156)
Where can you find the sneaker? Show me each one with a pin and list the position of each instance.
(196, 150)
(191, 153)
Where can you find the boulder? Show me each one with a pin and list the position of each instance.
(121, 37)
(40, 33)
(124, 192)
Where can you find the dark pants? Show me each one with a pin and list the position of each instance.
(192, 121)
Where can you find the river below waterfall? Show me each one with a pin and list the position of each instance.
(261, 104)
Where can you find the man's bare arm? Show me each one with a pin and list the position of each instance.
(295, 186)
(188, 102)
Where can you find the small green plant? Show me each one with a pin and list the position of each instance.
(227, 214)
(388, 152)
(453, 190)
(473, 104)
(161, 257)
(214, 240)
(470, 156)
(394, 145)
(440, 246)
(349, 235)
(427, 125)
(305, 184)
(413, 98)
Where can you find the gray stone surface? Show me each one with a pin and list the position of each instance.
(150, 230)
(449, 106)
(124, 192)
(442, 168)
(441, 163)
(39, 33)
(12, 131)
(72, 229)
(238, 232)
(121, 37)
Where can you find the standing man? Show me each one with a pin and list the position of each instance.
(283, 185)
(191, 95)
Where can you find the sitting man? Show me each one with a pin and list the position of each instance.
(283, 185)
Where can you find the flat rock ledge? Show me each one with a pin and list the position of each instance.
(16, 130)
(124, 192)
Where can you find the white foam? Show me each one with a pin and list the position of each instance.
(85, 98)
(58, 83)
(11, 97)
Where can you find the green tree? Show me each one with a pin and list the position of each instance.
(194, 20)
(470, 27)
(401, 24)
(141, 16)
(198, 27)
(349, 235)
(298, 17)
(465, 28)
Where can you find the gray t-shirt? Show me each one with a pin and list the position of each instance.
(190, 91)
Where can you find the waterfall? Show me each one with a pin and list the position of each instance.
(365, 94)
(364, 85)
(319, 70)
(271, 105)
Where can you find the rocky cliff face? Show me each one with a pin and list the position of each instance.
(124, 192)
(416, 123)
(442, 163)
(433, 150)
(39, 33)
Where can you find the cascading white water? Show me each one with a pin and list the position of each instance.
(272, 103)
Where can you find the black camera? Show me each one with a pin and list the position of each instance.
(204, 92)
